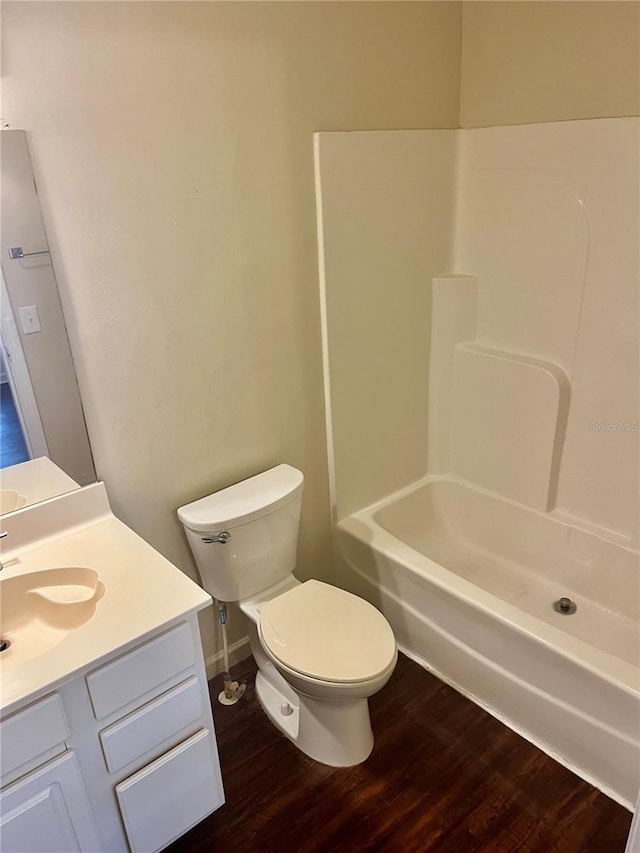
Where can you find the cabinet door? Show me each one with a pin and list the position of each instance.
(30, 734)
(167, 797)
(47, 812)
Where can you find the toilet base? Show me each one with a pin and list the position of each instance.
(334, 733)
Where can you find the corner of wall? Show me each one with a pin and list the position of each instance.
(461, 73)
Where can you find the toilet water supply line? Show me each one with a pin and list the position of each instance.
(232, 690)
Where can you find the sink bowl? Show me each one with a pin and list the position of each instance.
(38, 610)
(10, 500)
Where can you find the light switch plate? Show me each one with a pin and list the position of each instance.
(30, 319)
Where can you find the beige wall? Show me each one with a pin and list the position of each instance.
(172, 143)
(549, 61)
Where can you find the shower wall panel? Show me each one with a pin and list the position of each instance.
(520, 375)
(385, 212)
(548, 221)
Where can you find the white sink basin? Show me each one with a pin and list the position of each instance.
(10, 500)
(60, 621)
(39, 609)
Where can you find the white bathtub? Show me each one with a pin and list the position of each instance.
(468, 580)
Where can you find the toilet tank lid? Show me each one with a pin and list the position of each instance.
(244, 501)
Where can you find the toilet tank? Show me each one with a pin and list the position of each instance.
(262, 516)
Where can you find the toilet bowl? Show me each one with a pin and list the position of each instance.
(317, 668)
(321, 651)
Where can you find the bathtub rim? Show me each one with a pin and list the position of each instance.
(616, 671)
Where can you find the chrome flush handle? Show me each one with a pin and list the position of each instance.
(222, 538)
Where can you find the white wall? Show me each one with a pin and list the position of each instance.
(172, 143)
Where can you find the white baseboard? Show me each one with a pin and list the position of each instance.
(237, 651)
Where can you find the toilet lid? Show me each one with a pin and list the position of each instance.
(326, 633)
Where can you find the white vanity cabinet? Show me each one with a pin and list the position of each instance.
(121, 757)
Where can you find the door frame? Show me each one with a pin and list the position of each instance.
(19, 379)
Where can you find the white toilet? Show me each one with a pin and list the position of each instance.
(321, 651)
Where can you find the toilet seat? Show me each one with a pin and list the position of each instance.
(325, 633)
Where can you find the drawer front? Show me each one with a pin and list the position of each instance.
(141, 670)
(32, 732)
(152, 724)
(167, 797)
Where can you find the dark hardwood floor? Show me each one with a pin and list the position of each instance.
(443, 776)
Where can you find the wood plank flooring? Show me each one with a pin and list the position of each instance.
(444, 776)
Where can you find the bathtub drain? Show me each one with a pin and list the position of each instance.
(565, 606)
(4, 644)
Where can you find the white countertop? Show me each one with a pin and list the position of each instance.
(38, 480)
(143, 590)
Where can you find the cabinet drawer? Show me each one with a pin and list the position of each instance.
(141, 670)
(152, 724)
(32, 732)
(169, 796)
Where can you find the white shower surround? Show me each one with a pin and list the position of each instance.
(538, 301)
(548, 221)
